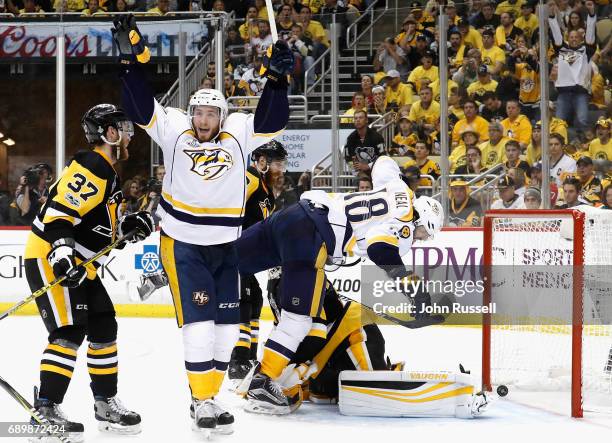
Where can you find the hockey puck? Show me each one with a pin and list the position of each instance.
(502, 390)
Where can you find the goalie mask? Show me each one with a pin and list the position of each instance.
(431, 214)
(98, 119)
(208, 97)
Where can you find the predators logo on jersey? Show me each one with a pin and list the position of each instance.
(210, 163)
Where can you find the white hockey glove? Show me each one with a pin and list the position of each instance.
(142, 222)
(62, 260)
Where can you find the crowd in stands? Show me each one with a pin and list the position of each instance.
(494, 103)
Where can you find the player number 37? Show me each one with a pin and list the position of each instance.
(79, 183)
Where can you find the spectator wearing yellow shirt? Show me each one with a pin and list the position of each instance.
(601, 147)
(358, 103)
(314, 31)
(473, 162)
(451, 12)
(314, 5)
(484, 84)
(491, 54)
(524, 65)
(513, 6)
(403, 142)
(516, 126)
(262, 11)
(506, 32)
(469, 35)
(473, 120)
(469, 137)
(456, 51)
(30, 7)
(68, 5)
(534, 150)
(556, 125)
(527, 21)
(397, 93)
(455, 111)
(494, 149)
(426, 70)
(435, 88)
(93, 8)
(408, 35)
(425, 111)
(422, 151)
(249, 28)
(162, 8)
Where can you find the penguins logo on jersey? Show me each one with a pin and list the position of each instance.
(210, 163)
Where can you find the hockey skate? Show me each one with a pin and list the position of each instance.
(113, 417)
(209, 417)
(265, 396)
(52, 413)
(238, 369)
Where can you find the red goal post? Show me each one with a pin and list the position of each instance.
(578, 219)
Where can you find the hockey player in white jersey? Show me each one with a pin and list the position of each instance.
(324, 228)
(202, 207)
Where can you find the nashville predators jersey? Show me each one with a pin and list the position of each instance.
(204, 190)
(82, 204)
(360, 219)
(260, 199)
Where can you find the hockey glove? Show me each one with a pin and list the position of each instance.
(142, 222)
(129, 40)
(279, 61)
(62, 260)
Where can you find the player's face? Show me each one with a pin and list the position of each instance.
(277, 168)
(420, 233)
(206, 122)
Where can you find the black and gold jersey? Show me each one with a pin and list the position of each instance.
(260, 199)
(591, 190)
(83, 204)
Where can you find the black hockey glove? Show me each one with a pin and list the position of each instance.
(280, 62)
(62, 260)
(129, 40)
(142, 222)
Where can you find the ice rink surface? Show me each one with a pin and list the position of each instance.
(152, 381)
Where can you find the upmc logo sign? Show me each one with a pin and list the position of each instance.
(148, 261)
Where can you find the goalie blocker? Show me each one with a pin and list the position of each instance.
(409, 394)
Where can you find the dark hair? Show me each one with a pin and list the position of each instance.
(454, 31)
(469, 100)
(360, 111)
(604, 192)
(488, 95)
(557, 136)
(574, 182)
(425, 142)
(473, 148)
(513, 143)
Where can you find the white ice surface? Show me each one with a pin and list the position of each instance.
(152, 382)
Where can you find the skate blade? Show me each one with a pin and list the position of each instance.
(74, 437)
(204, 432)
(113, 428)
(258, 407)
(224, 429)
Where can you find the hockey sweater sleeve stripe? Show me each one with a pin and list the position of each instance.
(136, 95)
(272, 113)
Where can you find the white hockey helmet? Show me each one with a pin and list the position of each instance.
(431, 214)
(209, 97)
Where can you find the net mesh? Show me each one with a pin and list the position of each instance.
(531, 345)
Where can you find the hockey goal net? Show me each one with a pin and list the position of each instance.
(550, 274)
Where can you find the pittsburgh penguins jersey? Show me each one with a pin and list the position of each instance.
(82, 204)
(204, 190)
(260, 199)
(360, 219)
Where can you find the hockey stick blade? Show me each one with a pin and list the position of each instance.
(29, 408)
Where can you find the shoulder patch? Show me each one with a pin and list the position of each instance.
(404, 232)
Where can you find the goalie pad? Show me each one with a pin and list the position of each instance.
(409, 394)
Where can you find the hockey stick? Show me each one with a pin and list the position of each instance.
(429, 320)
(28, 407)
(61, 278)
(271, 20)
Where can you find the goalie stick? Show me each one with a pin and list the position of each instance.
(61, 278)
(28, 407)
(429, 320)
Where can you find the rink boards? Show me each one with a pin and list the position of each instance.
(453, 248)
